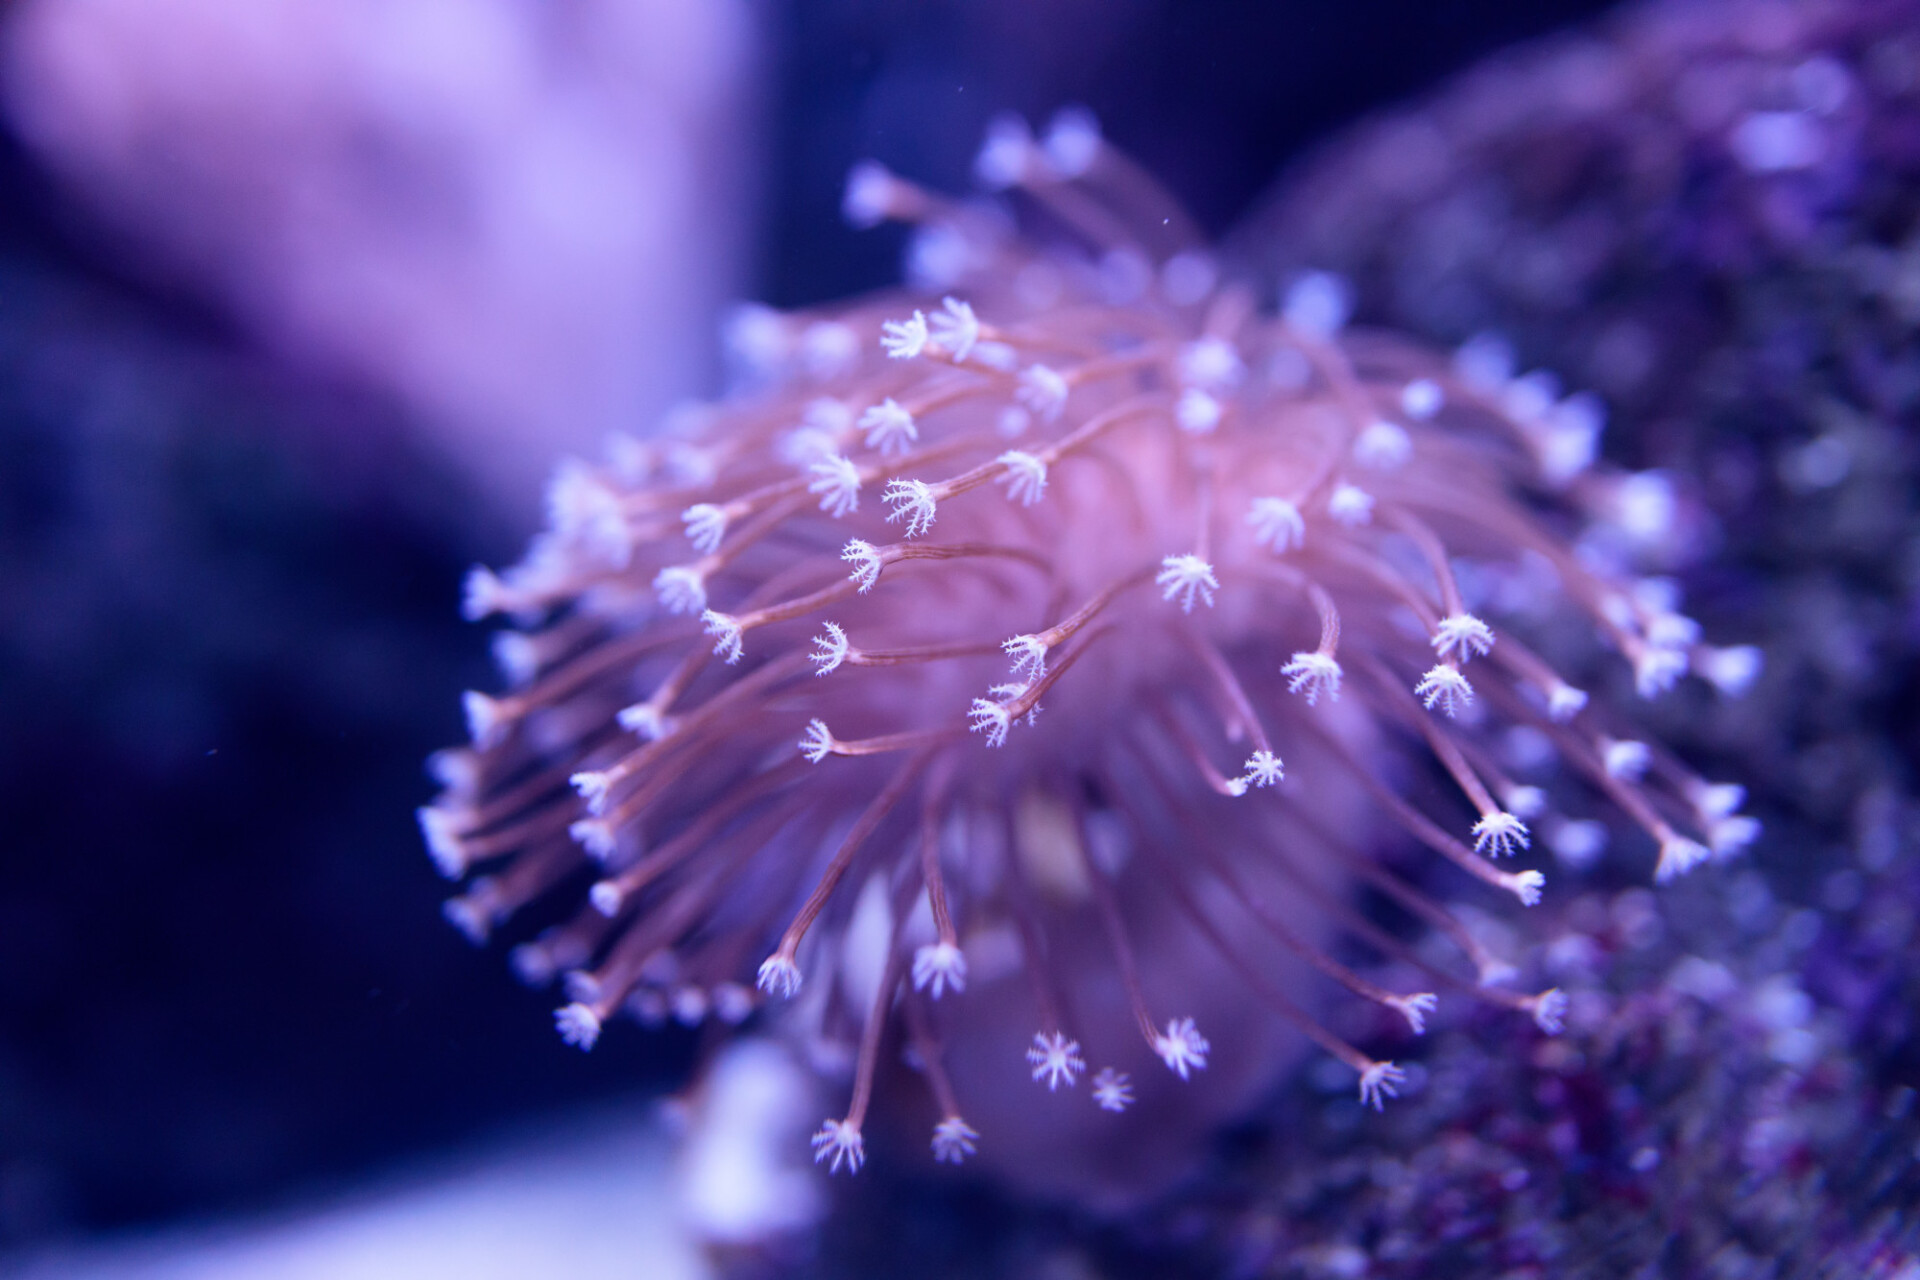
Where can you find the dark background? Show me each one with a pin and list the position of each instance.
(227, 641)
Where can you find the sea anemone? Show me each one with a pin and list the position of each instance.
(1062, 637)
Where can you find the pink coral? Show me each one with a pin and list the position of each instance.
(1007, 654)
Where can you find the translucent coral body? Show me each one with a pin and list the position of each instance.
(1025, 661)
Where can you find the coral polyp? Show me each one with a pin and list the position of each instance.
(1057, 637)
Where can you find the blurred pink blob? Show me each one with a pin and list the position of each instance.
(518, 218)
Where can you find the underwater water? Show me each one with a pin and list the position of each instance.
(232, 544)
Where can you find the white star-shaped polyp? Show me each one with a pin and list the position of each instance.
(1318, 303)
(1531, 396)
(913, 502)
(1197, 412)
(1314, 675)
(577, 499)
(1566, 449)
(578, 1025)
(1732, 670)
(1350, 505)
(1502, 833)
(1055, 1059)
(1484, 362)
(868, 199)
(646, 721)
(1564, 702)
(517, 657)
(837, 481)
(1461, 636)
(1009, 693)
(584, 507)
(953, 1140)
(1006, 153)
(956, 329)
(484, 594)
(728, 636)
(1029, 654)
(1182, 1047)
(865, 559)
(474, 919)
(938, 966)
(1678, 856)
(1731, 834)
(1380, 1081)
(443, 841)
(1526, 886)
(1025, 478)
(1550, 1011)
(1445, 688)
(1211, 364)
(1384, 446)
(904, 339)
(992, 719)
(1187, 576)
(682, 588)
(1716, 799)
(487, 724)
(1421, 399)
(1626, 759)
(1000, 356)
(1524, 800)
(596, 836)
(1072, 143)
(1112, 1090)
(1656, 670)
(889, 427)
(779, 976)
(839, 1142)
(1043, 391)
(1263, 769)
(817, 745)
(1277, 523)
(1669, 630)
(1415, 1008)
(829, 649)
(706, 526)
(607, 898)
(593, 786)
